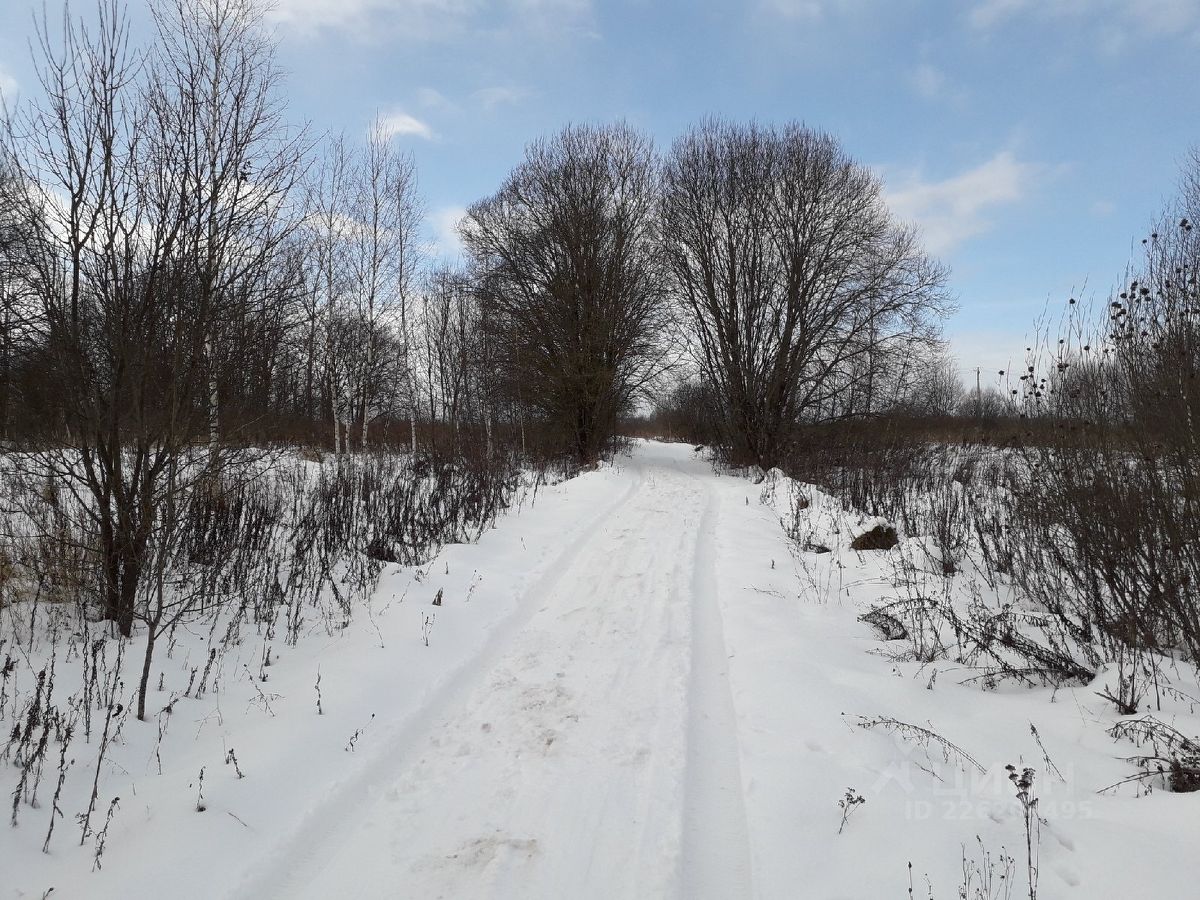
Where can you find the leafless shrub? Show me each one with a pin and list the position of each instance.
(923, 737)
(1173, 759)
(987, 877)
(1023, 782)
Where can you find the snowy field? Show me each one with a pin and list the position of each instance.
(637, 686)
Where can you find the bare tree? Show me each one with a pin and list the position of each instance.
(327, 225)
(364, 222)
(931, 386)
(987, 404)
(152, 238)
(447, 333)
(214, 90)
(569, 254)
(458, 362)
(98, 255)
(18, 230)
(798, 284)
(385, 215)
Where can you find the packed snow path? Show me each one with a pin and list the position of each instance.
(589, 750)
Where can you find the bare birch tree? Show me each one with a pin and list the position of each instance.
(385, 215)
(364, 223)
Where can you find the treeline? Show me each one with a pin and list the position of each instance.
(181, 264)
(189, 280)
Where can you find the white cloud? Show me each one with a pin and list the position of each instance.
(8, 86)
(400, 124)
(796, 9)
(444, 224)
(491, 97)
(426, 19)
(828, 10)
(991, 12)
(432, 98)
(1146, 17)
(932, 83)
(551, 7)
(415, 18)
(954, 209)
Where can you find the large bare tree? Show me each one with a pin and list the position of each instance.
(569, 251)
(799, 285)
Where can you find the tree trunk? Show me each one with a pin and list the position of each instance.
(112, 573)
(151, 635)
(213, 424)
(131, 571)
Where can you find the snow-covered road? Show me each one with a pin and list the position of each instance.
(665, 709)
(589, 750)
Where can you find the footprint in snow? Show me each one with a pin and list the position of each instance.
(1069, 876)
(1064, 841)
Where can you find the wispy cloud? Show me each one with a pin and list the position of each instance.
(413, 18)
(823, 10)
(500, 95)
(957, 208)
(432, 98)
(427, 19)
(989, 13)
(796, 9)
(8, 86)
(401, 124)
(444, 224)
(931, 83)
(1179, 18)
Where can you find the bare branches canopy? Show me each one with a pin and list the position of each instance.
(801, 288)
(569, 265)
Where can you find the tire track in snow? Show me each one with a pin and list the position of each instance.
(561, 774)
(716, 838)
(289, 865)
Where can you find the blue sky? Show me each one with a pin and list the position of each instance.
(1032, 140)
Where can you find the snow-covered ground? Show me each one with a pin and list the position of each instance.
(636, 687)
